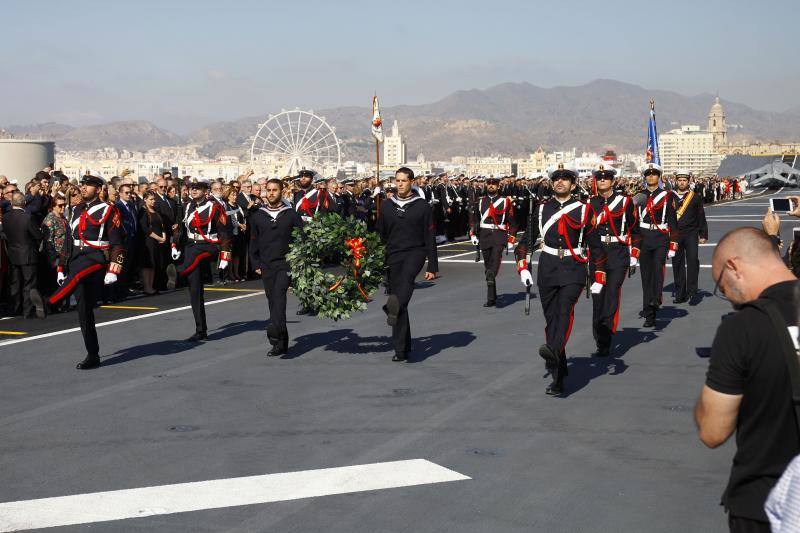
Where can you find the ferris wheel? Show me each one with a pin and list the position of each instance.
(295, 140)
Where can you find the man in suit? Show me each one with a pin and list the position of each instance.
(22, 238)
(128, 216)
(165, 207)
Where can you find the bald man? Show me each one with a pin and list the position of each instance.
(748, 388)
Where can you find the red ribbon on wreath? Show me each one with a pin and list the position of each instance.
(358, 249)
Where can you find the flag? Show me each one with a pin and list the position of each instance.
(377, 128)
(653, 155)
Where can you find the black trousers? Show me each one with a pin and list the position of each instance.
(652, 262)
(605, 307)
(558, 304)
(276, 283)
(493, 256)
(403, 270)
(194, 255)
(740, 524)
(686, 265)
(85, 281)
(23, 279)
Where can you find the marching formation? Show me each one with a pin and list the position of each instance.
(588, 242)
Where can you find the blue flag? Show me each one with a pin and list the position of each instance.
(653, 155)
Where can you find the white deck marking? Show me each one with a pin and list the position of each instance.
(127, 319)
(219, 493)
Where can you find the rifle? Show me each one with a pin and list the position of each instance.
(529, 242)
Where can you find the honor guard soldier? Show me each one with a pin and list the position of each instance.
(271, 229)
(563, 224)
(207, 235)
(493, 228)
(618, 233)
(692, 231)
(94, 246)
(406, 226)
(658, 229)
(310, 202)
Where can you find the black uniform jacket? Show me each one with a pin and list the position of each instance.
(271, 234)
(406, 225)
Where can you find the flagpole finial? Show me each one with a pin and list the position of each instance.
(652, 104)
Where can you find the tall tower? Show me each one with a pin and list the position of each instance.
(716, 124)
(394, 148)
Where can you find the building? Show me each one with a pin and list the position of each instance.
(716, 124)
(394, 149)
(21, 159)
(494, 166)
(689, 148)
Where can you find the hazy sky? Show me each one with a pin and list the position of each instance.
(185, 64)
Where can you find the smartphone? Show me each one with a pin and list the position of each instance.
(781, 205)
(796, 233)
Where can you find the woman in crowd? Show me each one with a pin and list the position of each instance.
(155, 242)
(236, 220)
(54, 233)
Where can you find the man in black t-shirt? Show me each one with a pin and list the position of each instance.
(747, 387)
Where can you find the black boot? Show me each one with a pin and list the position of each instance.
(38, 303)
(558, 372)
(602, 351)
(400, 357)
(91, 361)
(392, 309)
(198, 336)
(303, 310)
(549, 356)
(276, 340)
(491, 289)
(172, 276)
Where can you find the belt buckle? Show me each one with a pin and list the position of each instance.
(561, 253)
(607, 239)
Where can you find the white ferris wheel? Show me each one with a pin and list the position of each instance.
(296, 140)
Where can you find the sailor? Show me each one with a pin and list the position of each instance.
(618, 233)
(692, 231)
(493, 227)
(207, 235)
(658, 230)
(563, 226)
(93, 247)
(405, 224)
(271, 228)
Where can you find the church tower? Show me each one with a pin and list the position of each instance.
(716, 124)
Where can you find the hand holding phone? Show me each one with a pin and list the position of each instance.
(781, 205)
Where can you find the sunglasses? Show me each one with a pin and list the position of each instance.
(604, 178)
(61, 205)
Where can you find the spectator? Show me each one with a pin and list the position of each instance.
(236, 222)
(747, 386)
(54, 234)
(22, 238)
(155, 243)
(130, 223)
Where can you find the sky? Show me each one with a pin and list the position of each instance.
(185, 64)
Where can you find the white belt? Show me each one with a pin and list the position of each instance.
(78, 242)
(501, 227)
(199, 238)
(562, 252)
(662, 227)
(611, 239)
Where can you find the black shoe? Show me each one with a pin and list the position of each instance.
(602, 352)
(302, 311)
(172, 276)
(489, 303)
(275, 351)
(680, 300)
(555, 388)
(89, 363)
(197, 337)
(399, 357)
(650, 322)
(695, 298)
(38, 303)
(549, 356)
(392, 309)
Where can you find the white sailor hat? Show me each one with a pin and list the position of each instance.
(319, 178)
(200, 183)
(93, 177)
(562, 170)
(683, 173)
(652, 168)
(604, 170)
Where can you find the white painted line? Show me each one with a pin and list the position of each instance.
(669, 265)
(219, 493)
(127, 319)
(460, 255)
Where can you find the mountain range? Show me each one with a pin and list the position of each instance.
(510, 118)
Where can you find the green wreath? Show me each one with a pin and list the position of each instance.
(336, 264)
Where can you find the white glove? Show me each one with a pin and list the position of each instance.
(223, 264)
(110, 278)
(511, 246)
(525, 277)
(670, 254)
(175, 253)
(61, 278)
(474, 240)
(596, 287)
(634, 262)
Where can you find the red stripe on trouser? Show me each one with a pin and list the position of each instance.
(569, 328)
(200, 257)
(616, 315)
(67, 289)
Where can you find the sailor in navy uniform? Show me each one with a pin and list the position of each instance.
(493, 228)
(406, 225)
(94, 246)
(692, 231)
(563, 226)
(312, 202)
(618, 232)
(271, 229)
(207, 235)
(658, 229)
